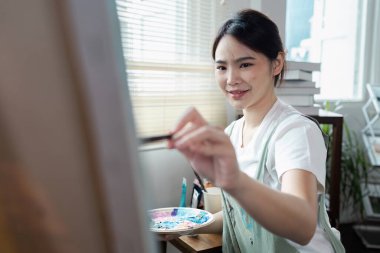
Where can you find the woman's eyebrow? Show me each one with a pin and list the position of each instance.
(245, 58)
(237, 60)
(220, 62)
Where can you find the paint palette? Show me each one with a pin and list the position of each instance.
(178, 219)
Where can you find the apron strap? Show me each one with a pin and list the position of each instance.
(323, 221)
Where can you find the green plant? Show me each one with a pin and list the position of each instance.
(354, 164)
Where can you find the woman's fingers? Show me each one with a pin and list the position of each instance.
(190, 116)
(205, 137)
(180, 133)
(190, 121)
(208, 148)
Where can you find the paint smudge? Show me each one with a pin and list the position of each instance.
(177, 218)
(175, 211)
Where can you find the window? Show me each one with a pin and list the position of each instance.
(167, 47)
(328, 32)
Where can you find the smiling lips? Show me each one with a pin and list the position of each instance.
(237, 94)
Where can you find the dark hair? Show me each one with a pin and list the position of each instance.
(256, 31)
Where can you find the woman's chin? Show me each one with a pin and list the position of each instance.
(237, 105)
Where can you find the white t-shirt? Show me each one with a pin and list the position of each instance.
(297, 143)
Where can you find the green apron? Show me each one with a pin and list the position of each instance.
(242, 234)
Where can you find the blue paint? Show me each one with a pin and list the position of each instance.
(201, 218)
(184, 212)
(180, 218)
(166, 225)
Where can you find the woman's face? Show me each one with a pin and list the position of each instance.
(245, 76)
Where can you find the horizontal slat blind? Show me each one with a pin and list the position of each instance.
(167, 47)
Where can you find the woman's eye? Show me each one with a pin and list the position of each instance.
(220, 68)
(245, 65)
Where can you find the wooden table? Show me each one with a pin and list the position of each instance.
(205, 243)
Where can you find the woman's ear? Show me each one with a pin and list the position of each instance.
(278, 63)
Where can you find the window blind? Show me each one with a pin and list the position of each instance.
(167, 48)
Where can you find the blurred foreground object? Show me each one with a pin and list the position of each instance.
(28, 222)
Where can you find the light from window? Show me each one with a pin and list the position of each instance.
(167, 47)
(327, 32)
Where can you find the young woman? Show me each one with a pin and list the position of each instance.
(271, 162)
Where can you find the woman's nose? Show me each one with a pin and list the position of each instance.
(233, 77)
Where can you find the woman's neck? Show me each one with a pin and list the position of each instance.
(253, 116)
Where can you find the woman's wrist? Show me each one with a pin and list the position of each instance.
(236, 186)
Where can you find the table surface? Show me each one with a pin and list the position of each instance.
(205, 243)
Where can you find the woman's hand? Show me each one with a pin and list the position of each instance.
(208, 149)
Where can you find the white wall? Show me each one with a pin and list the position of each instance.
(163, 170)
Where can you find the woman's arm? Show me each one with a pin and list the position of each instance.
(291, 213)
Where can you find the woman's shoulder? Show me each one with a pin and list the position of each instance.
(288, 116)
(298, 130)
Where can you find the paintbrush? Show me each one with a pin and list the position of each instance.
(200, 181)
(145, 140)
